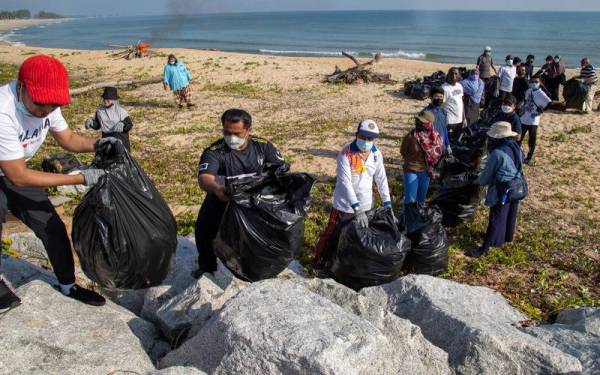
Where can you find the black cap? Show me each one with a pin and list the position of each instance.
(110, 93)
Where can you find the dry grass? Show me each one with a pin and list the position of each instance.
(555, 262)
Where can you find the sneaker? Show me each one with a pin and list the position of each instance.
(87, 296)
(529, 161)
(477, 253)
(8, 299)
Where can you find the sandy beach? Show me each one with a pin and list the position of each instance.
(310, 121)
(8, 25)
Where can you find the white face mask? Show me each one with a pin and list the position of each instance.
(507, 109)
(234, 142)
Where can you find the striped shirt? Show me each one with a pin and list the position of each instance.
(588, 74)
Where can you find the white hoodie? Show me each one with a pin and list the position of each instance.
(354, 186)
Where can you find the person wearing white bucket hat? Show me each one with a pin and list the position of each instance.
(504, 164)
(358, 164)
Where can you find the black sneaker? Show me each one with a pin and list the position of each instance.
(477, 253)
(8, 299)
(87, 296)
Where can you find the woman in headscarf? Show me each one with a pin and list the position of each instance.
(504, 164)
(473, 88)
(112, 119)
(421, 150)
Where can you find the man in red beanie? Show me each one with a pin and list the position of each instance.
(29, 108)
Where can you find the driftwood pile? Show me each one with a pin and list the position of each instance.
(138, 50)
(360, 72)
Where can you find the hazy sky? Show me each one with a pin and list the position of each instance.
(144, 7)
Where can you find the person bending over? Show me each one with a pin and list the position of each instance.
(237, 155)
(30, 107)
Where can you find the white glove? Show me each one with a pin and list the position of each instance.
(89, 123)
(362, 219)
(449, 150)
(91, 176)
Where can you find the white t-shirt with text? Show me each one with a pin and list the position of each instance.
(453, 102)
(535, 100)
(21, 136)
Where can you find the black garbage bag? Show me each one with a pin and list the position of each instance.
(429, 243)
(458, 205)
(60, 163)
(420, 91)
(575, 93)
(123, 230)
(408, 86)
(370, 256)
(262, 229)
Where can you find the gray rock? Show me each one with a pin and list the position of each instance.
(280, 327)
(186, 313)
(293, 270)
(29, 247)
(19, 272)
(576, 332)
(475, 325)
(418, 354)
(177, 371)
(53, 334)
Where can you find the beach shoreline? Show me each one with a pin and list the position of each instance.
(6, 26)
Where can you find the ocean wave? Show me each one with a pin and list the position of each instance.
(305, 53)
(410, 55)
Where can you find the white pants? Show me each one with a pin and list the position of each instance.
(589, 101)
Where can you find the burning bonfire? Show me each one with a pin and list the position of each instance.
(138, 50)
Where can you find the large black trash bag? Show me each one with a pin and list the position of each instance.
(370, 256)
(429, 241)
(123, 230)
(575, 93)
(458, 205)
(262, 229)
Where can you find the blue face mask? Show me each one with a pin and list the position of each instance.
(364, 146)
(23, 110)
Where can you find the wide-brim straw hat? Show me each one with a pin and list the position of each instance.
(501, 129)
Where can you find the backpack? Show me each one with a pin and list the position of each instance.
(514, 190)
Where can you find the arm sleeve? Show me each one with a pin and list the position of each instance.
(344, 178)
(187, 72)
(96, 124)
(488, 174)
(272, 155)
(382, 181)
(58, 122)
(128, 124)
(10, 145)
(404, 146)
(209, 163)
(518, 125)
(166, 75)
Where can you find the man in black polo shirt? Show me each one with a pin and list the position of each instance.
(234, 156)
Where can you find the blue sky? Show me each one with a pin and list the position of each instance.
(144, 7)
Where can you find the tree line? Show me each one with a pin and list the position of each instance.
(22, 14)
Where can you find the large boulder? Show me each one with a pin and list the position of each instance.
(577, 332)
(419, 355)
(53, 334)
(280, 327)
(186, 313)
(476, 326)
(20, 272)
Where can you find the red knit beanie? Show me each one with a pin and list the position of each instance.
(46, 80)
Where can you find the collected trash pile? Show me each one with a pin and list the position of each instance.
(123, 230)
(459, 195)
(420, 88)
(262, 229)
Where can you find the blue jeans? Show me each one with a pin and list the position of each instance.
(416, 185)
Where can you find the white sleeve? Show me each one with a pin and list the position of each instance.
(344, 178)
(57, 121)
(10, 145)
(446, 95)
(381, 180)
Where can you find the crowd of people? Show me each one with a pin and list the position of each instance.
(30, 108)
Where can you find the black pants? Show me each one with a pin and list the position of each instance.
(502, 225)
(33, 208)
(532, 130)
(207, 227)
(124, 137)
(454, 131)
(553, 86)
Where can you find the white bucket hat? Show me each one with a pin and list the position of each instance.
(501, 129)
(488, 49)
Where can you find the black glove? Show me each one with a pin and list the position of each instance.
(109, 145)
